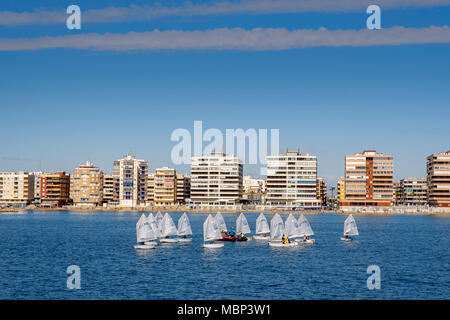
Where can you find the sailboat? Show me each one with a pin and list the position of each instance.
(155, 231)
(242, 227)
(262, 228)
(184, 228)
(211, 233)
(305, 230)
(350, 228)
(144, 233)
(291, 227)
(277, 231)
(168, 229)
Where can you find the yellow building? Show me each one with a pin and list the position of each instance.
(165, 189)
(341, 189)
(86, 185)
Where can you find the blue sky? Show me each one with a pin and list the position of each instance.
(62, 106)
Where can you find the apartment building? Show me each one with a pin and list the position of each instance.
(292, 180)
(165, 189)
(321, 189)
(253, 186)
(412, 192)
(16, 188)
(132, 175)
(150, 189)
(438, 179)
(368, 179)
(183, 188)
(110, 189)
(216, 179)
(55, 188)
(340, 195)
(37, 186)
(86, 186)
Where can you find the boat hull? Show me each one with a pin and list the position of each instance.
(151, 243)
(346, 239)
(144, 246)
(168, 240)
(261, 238)
(282, 245)
(185, 240)
(310, 241)
(213, 245)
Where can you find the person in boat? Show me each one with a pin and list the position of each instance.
(283, 239)
(346, 236)
(305, 238)
(287, 240)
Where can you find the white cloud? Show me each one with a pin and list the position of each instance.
(257, 39)
(145, 13)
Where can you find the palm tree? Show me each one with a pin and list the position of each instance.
(332, 192)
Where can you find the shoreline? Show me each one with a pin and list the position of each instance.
(224, 211)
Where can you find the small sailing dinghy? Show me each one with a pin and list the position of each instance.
(144, 233)
(184, 228)
(305, 230)
(262, 228)
(350, 228)
(158, 220)
(211, 233)
(242, 228)
(277, 232)
(152, 221)
(168, 229)
(291, 228)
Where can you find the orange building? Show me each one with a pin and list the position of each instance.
(368, 179)
(438, 179)
(55, 188)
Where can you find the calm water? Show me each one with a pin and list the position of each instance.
(36, 248)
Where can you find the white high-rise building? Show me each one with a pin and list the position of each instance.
(291, 180)
(216, 179)
(132, 175)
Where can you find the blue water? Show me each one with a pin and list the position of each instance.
(36, 248)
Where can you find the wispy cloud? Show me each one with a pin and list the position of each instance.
(255, 7)
(257, 39)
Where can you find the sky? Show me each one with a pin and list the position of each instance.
(138, 70)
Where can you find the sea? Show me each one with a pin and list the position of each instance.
(394, 257)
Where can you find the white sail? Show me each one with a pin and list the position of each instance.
(220, 222)
(184, 226)
(304, 227)
(159, 219)
(153, 224)
(242, 225)
(168, 227)
(210, 229)
(144, 231)
(261, 224)
(276, 227)
(291, 227)
(350, 227)
(148, 233)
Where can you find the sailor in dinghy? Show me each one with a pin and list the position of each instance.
(211, 233)
(350, 229)
(184, 228)
(277, 233)
(242, 228)
(262, 228)
(144, 234)
(168, 229)
(305, 230)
